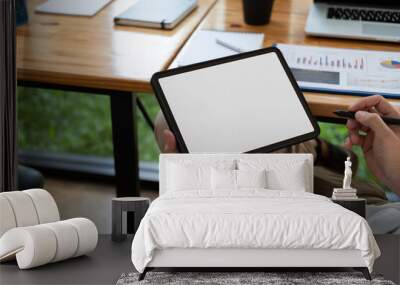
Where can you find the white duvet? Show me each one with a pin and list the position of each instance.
(250, 219)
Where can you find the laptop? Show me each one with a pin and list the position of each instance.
(356, 19)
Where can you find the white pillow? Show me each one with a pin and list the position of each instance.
(251, 178)
(184, 175)
(281, 174)
(238, 179)
(223, 179)
(292, 179)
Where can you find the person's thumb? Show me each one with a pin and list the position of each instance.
(169, 141)
(373, 121)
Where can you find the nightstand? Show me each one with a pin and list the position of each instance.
(355, 205)
(136, 205)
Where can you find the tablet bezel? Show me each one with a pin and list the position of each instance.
(169, 117)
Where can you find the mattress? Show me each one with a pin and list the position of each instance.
(250, 219)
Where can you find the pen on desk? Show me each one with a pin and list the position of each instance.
(350, 115)
(229, 46)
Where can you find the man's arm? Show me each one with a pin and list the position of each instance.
(380, 142)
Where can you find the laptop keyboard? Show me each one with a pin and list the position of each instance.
(369, 15)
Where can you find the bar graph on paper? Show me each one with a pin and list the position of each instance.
(331, 62)
(344, 70)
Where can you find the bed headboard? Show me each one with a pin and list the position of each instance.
(210, 158)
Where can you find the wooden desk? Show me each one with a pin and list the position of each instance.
(91, 54)
(287, 26)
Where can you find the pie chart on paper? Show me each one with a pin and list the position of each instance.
(392, 64)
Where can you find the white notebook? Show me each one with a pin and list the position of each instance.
(204, 45)
(164, 14)
(72, 7)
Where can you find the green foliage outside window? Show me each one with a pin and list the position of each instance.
(76, 123)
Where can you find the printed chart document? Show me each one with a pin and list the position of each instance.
(206, 45)
(352, 71)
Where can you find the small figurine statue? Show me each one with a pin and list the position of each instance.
(346, 192)
(347, 174)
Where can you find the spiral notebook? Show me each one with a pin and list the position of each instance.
(206, 44)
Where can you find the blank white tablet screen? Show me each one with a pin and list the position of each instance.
(237, 106)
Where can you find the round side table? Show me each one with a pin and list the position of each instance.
(137, 205)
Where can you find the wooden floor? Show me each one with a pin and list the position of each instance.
(77, 197)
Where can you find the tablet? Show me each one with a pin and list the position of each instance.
(248, 102)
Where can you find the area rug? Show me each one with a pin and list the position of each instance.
(244, 278)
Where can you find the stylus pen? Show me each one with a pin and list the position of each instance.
(229, 46)
(350, 115)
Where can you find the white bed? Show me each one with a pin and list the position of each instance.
(200, 220)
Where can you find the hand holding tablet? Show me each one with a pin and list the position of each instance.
(243, 103)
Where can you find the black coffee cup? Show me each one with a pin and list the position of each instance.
(257, 12)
